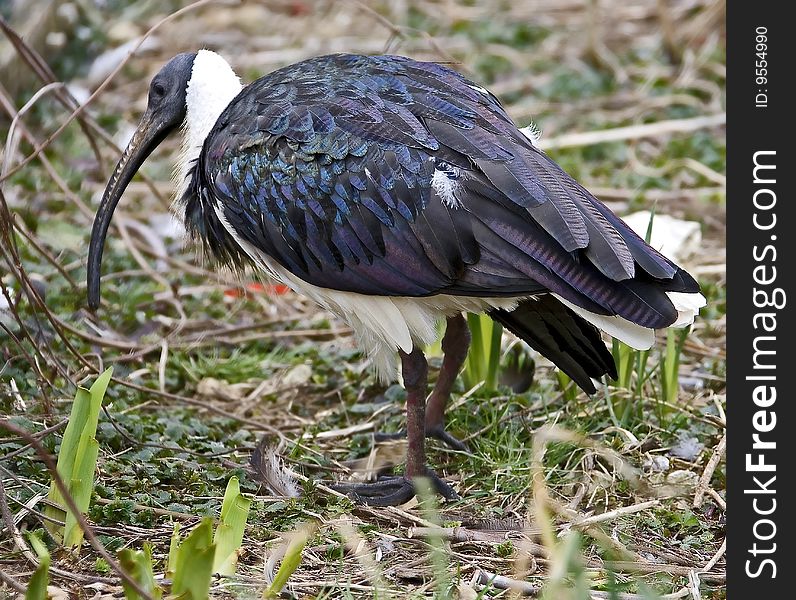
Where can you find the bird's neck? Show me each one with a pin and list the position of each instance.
(212, 87)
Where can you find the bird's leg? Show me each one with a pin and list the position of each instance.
(414, 370)
(390, 491)
(455, 345)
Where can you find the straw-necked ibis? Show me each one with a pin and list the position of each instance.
(398, 193)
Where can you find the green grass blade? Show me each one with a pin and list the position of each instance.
(66, 459)
(670, 364)
(138, 564)
(37, 585)
(290, 562)
(483, 358)
(229, 532)
(493, 353)
(473, 373)
(81, 486)
(435, 349)
(641, 369)
(193, 567)
(174, 545)
(567, 577)
(624, 356)
(77, 459)
(568, 388)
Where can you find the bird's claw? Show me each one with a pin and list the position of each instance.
(442, 435)
(393, 490)
(438, 432)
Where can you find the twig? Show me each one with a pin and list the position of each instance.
(463, 534)
(164, 357)
(70, 503)
(693, 585)
(46, 75)
(11, 525)
(651, 567)
(23, 231)
(716, 557)
(10, 109)
(707, 474)
(153, 509)
(337, 433)
(87, 123)
(39, 434)
(633, 132)
(11, 582)
(613, 514)
(598, 595)
(12, 129)
(722, 504)
(80, 108)
(501, 582)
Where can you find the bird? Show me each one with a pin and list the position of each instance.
(399, 194)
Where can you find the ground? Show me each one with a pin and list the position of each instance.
(617, 495)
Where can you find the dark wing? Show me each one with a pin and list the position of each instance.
(569, 341)
(328, 167)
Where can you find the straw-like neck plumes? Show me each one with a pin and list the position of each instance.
(212, 86)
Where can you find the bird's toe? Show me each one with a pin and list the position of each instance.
(393, 490)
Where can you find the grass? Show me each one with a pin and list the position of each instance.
(77, 461)
(191, 563)
(168, 448)
(483, 359)
(230, 529)
(138, 564)
(37, 585)
(291, 559)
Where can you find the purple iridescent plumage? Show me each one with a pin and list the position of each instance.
(327, 165)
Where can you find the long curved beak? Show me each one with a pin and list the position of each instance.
(150, 133)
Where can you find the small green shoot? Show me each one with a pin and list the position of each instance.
(174, 545)
(290, 561)
(483, 358)
(624, 357)
(670, 364)
(193, 563)
(77, 461)
(229, 532)
(138, 564)
(37, 586)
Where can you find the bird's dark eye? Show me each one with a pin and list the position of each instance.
(158, 91)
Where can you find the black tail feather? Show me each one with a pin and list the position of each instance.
(559, 334)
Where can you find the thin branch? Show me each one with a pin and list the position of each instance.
(634, 132)
(80, 108)
(70, 503)
(707, 474)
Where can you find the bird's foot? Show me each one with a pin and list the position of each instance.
(437, 432)
(393, 490)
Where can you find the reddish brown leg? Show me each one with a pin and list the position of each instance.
(390, 491)
(455, 345)
(414, 369)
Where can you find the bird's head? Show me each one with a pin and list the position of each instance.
(192, 88)
(165, 112)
